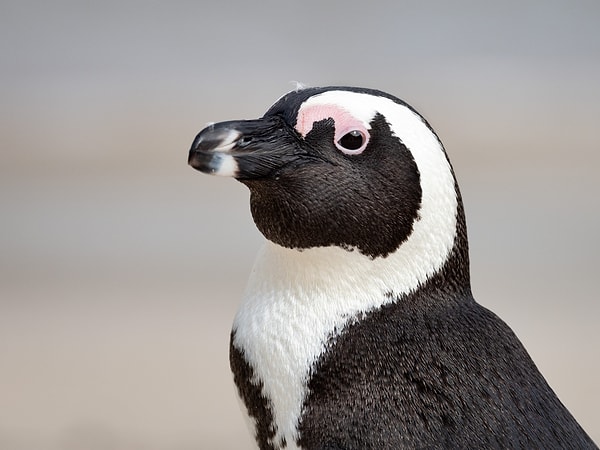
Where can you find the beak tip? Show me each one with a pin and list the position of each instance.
(242, 148)
(209, 152)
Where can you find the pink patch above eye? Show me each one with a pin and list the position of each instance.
(344, 123)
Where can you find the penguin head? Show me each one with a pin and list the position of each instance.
(337, 166)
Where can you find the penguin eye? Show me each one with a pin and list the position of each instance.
(244, 141)
(353, 142)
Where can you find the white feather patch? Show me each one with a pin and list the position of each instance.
(226, 164)
(296, 300)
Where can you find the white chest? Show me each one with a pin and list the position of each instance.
(296, 301)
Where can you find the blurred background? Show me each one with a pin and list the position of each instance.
(121, 267)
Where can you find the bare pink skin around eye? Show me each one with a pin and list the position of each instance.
(344, 121)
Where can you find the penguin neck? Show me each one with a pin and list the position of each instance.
(345, 282)
(437, 246)
(297, 301)
(337, 284)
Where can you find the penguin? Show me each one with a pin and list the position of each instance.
(358, 328)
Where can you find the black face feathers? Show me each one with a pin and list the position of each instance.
(330, 199)
(304, 191)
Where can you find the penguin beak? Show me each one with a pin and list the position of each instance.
(245, 149)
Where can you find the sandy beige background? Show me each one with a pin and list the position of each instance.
(121, 267)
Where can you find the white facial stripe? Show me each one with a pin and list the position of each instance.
(296, 300)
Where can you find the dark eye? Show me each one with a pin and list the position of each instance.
(352, 140)
(244, 141)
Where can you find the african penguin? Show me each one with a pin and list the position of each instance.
(358, 329)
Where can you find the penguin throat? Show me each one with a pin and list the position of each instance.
(297, 301)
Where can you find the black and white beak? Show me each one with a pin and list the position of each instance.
(245, 149)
